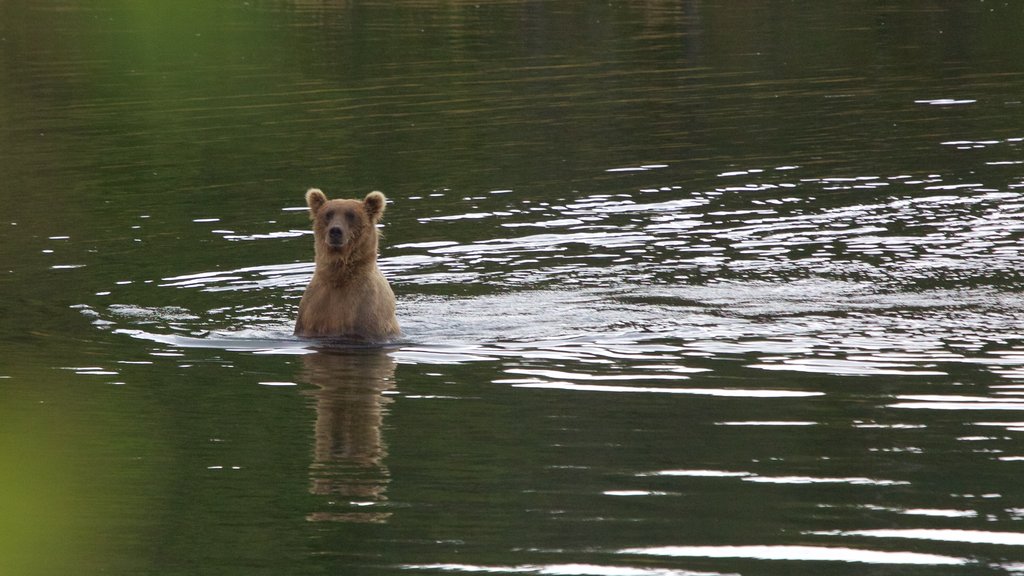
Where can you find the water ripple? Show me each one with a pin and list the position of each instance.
(723, 392)
(800, 553)
(939, 535)
(557, 570)
(908, 276)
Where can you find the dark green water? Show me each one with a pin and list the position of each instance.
(688, 288)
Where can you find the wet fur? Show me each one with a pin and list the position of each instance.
(347, 297)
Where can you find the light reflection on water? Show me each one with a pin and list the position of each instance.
(556, 570)
(662, 292)
(801, 553)
(771, 553)
(662, 284)
(806, 326)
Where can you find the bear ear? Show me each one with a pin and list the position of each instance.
(315, 199)
(374, 205)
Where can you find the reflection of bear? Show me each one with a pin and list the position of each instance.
(347, 297)
(348, 458)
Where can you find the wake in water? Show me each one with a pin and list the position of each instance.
(901, 276)
(819, 326)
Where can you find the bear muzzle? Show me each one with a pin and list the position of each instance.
(335, 237)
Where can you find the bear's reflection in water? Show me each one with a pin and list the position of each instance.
(348, 457)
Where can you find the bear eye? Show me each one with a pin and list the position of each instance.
(329, 214)
(350, 216)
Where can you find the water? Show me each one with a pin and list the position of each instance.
(686, 289)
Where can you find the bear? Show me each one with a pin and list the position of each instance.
(348, 296)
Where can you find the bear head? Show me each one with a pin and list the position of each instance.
(345, 228)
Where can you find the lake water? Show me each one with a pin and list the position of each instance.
(687, 288)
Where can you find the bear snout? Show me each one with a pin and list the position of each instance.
(335, 236)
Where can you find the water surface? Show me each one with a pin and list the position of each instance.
(685, 289)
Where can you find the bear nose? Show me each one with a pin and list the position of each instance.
(336, 234)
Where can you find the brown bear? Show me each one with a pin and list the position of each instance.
(348, 296)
